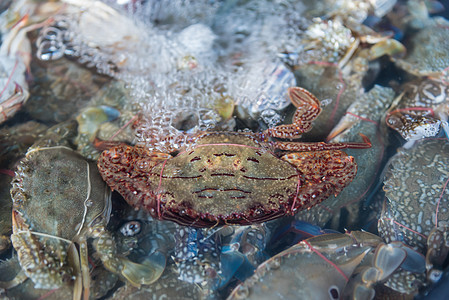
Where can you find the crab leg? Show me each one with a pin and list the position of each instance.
(325, 173)
(146, 272)
(321, 146)
(308, 109)
(437, 251)
(19, 279)
(84, 266)
(74, 259)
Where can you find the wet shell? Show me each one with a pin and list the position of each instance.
(416, 192)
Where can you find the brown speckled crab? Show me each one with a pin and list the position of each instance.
(233, 177)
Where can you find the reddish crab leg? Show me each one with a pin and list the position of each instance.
(325, 173)
(319, 146)
(308, 109)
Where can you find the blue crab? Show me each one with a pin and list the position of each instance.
(415, 210)
(421, 110)
(167, 287)
(427, 55)
(43, 237)
(61, 81)
(324, 267)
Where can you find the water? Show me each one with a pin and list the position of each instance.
(156, 74)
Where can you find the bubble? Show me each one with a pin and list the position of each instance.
(326, 102)
(263, 87)
(178, 61)
(271, 117)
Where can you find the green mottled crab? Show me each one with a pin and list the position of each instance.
(59, 202)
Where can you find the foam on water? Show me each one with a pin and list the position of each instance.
(262, 90)
(178, 58)
(185, 99)
(174, 15)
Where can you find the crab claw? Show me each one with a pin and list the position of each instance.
(387, 259)
(390, 47)
(91, 118)
(346, 123)
(146, 272)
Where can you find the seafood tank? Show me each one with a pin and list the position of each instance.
(233, 149)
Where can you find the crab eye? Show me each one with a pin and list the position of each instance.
(334, 292)
(131, 228)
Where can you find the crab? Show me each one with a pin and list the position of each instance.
(336, 60)
(14, 284)
(61, 81)
(415, 210)
(216, 178)
(45, 236)
(169, 286)
(420, 110)
(427, 55)
(328, 266)
(15, 52)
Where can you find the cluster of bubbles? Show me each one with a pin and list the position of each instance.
(180, 58)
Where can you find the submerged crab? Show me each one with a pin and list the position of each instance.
(328, 266)
(427, 53)
(416, 207)
(421, 109)
(231, 177)
(59, 200)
